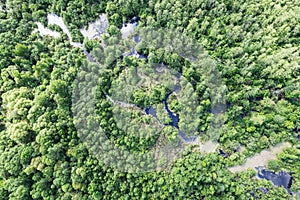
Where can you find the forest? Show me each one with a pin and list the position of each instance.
(111, 117)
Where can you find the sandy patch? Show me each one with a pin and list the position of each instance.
(128, 29)
(262, 158)
(45, 31)
(96, 28)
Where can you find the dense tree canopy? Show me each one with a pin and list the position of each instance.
(255, 45)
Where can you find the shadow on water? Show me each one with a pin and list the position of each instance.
(173, 116)
(279, 179)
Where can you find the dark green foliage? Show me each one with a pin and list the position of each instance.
(256, 47)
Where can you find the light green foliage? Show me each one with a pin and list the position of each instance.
(256, 48)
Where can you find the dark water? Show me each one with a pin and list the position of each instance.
(279, 179)
(151, 111)
(136, 38)
(222, 153)
(135, 19)
(173, 116)
(88, 55)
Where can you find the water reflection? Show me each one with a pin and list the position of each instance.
(279, 179)
(172, 115)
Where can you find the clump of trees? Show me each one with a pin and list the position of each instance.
(255, 45)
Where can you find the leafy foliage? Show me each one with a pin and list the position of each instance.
(256, 46)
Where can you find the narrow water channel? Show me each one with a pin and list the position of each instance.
(127, 30)
(175, 118)
(261, 159)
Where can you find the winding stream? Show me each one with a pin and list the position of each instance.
(93, 31)
(56, 20)
(173, 116)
